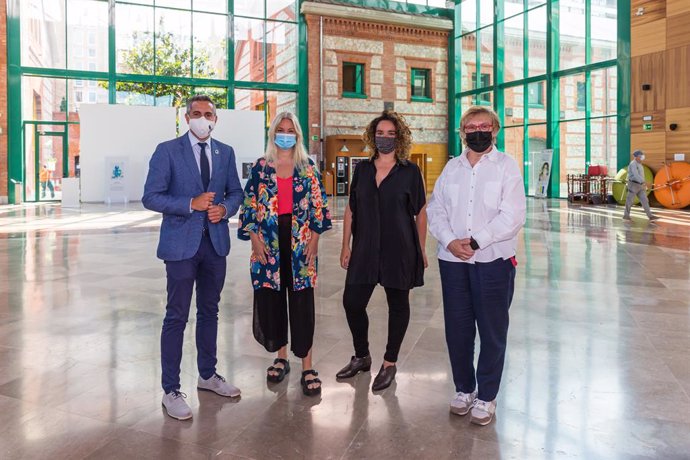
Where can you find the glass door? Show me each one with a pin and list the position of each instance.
(45, 161)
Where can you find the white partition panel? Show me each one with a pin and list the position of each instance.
(122, 131)
(243, 130)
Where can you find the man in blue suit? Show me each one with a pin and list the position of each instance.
(193, 181)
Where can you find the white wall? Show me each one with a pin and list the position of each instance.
(131, 132)
(243, 130)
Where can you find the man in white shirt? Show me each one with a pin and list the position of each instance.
(475, 213)
(637, 186)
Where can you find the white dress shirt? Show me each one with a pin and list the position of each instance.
(197, 152)
(486, 202)
(197, 156)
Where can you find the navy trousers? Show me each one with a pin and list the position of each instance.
(207, 270)
(477, 296)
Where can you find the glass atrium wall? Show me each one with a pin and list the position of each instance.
(65, 53)
(550, 70)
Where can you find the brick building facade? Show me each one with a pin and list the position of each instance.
(386, 46)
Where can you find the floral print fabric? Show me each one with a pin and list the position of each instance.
(259, 214)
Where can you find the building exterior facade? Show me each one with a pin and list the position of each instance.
(362, 62)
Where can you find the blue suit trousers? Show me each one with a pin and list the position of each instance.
(207, 269)
(477, 296)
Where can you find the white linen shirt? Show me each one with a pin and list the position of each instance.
(197, 152)
(486, 202)
(197, 156)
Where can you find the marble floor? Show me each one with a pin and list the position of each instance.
(597, 364)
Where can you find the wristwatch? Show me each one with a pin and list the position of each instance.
(473, 244)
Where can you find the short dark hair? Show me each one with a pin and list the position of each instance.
(199, 97)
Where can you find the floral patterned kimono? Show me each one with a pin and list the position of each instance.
(259, 214)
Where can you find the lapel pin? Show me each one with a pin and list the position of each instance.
(216, 151)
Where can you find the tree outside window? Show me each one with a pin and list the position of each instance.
(171, 61)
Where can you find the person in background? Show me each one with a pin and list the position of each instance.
(45, 177)
(637, 187)
(284, 212)
(475, 213)
(386, 218)
(193, 182)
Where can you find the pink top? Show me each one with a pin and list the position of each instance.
(284, 195)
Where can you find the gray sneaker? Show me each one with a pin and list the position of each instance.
(176, 406)
(462, 403)
(483, 412)
(217, 384)
(653, 217)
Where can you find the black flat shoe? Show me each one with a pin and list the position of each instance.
(281, 371)
(306, 382)
(385, 377)
(354, 366)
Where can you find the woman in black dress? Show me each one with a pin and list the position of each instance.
(386, 217)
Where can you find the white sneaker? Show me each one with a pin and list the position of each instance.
(483, 412)
(176, 406)
(217, 384)
(462, 403)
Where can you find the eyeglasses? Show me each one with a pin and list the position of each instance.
(483, 127)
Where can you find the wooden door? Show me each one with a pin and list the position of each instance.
(420, 160)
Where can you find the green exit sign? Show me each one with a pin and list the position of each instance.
(647, 126)
(315, 138)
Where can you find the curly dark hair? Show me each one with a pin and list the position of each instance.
(403, 137)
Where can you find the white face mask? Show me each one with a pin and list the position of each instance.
(201, 127)
(642, 157)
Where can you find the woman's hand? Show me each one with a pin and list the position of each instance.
(461, 248)
(345, 254)
(259, 249)
(426, 262)
(312, 249)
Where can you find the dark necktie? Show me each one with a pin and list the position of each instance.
(204, 166)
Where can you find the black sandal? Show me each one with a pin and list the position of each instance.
(305, 383)
(281, 371)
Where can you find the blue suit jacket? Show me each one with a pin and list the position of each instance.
(173, 180)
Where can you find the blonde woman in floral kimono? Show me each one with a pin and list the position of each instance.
(284, 212)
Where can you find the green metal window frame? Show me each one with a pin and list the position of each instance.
(16, 72)
(551, 79)
(482, 97)
(426, 75)
(358, 90)
(540, 99)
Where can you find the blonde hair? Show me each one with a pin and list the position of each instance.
(477, 110)
(299, 153)
(403, 135)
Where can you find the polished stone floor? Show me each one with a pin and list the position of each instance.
(597, 364)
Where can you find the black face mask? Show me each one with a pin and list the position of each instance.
(385, 145)
(479, 141)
